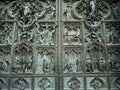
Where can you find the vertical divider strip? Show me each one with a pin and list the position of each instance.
(12, 49)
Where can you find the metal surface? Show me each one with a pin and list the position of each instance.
(59, 45)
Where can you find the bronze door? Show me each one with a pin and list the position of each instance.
(59, 45)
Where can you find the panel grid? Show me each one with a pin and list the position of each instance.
(59, 45)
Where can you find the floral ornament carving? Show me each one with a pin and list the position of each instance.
(74, 83)
(46, 61)
(21, 84)
(97, 83)
(26, 11)
(93, 11)
(23, 59)
(117, 82)
(73, 61)
(44, 83)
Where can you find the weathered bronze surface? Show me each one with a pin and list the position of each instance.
(59, 45)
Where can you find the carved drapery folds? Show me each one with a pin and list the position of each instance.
(45, 61)
(72, 60)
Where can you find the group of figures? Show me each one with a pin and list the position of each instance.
(95, 54)
(113, 35)
(46, 61)
(46, 34)
(24, 35)
(73, 61)
(72, 33)
(114, 62)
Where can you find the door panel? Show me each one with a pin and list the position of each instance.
(59, 45)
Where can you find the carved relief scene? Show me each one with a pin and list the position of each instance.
(45, 61)
(113, 59)
(113, 32)
(93, 10)
(95, 51)
(26, 10)
(23, 59)
(45, 34)
(21, 83)
(73, 83)
(44, 83)
(59, 45)
(6, 33)
(24, 35)
(72, 33)
(73, 60)
(96, 83)
(5, 59)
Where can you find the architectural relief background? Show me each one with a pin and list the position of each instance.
(59, 45)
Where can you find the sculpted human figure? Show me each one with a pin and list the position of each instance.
(92, 6)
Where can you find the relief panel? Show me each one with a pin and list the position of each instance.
(113, 59)
(73, 61)
(113, 32)
(23, 59)
(73, 83)
(21, 83)
(45, 83)
(95, 50)
(96, 83)
(6, 32)
(24, 35)
(72, 33)
(45, 34)
(46, 61)
(5, 59)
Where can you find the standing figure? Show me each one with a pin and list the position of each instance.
(67, 12)
(92, 6)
